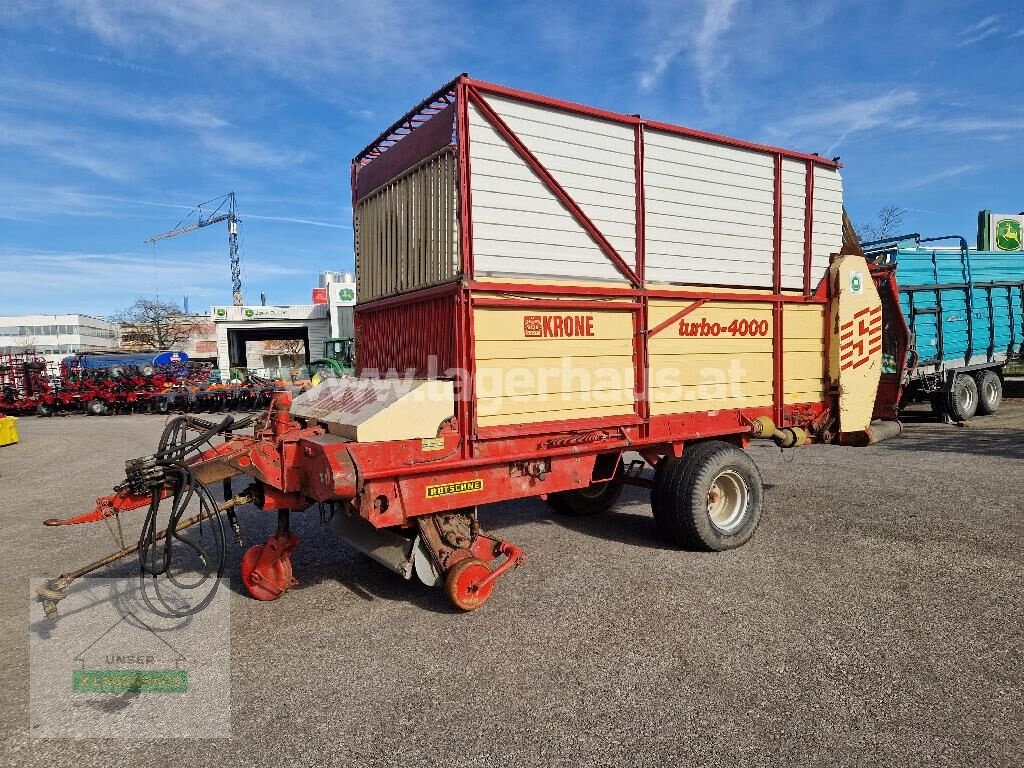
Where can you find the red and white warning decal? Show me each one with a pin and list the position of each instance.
(860, 338)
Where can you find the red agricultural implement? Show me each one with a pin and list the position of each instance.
(31, 385)
(553, 299)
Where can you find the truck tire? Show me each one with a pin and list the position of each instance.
(44, 409)
(990, 391)
(962, 398)
(96, 408)
(711, 499)
(668, 468)
(592, 500)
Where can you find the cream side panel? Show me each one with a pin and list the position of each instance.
(803, 345)
(584, 154)
(524, 379)
(794, 175)
(827, 234)
(540, 239)
(695, 245)
(700, 373)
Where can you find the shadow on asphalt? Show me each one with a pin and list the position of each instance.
(969, 440)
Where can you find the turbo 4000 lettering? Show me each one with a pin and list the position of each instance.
(742, 327)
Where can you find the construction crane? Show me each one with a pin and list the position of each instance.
(223, 210)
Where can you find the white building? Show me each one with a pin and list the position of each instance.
(340, 288)
(239, 327)
(56, 336)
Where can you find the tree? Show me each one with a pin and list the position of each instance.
(887, 224)
(28, 345)
(286, 346)
(155, 325)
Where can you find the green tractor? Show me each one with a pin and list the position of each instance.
(339, 359)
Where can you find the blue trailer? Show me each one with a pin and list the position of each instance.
(964, 309)
(117, 363)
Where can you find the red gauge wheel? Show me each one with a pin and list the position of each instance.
(463, 584)
(265, 580)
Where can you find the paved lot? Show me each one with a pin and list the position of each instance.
(875, 619)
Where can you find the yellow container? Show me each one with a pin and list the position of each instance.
(8, 431)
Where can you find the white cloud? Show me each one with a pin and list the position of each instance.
(975, 33)
(984, 23)
(702, 38)
(296, 40)
(173, 111)
(948, 173)
(99, 281)
(709, 57)
(63, 145)
(838, 121)
(249, 153)
(1017, 34)
(977, 38)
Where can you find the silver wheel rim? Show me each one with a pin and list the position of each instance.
(990, 392)
(728, 499)
(968, 398)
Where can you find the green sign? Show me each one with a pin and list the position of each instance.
(856, 282)
(249, 313)
(129, 681)
(346, 294)
(221, 312)
(1008, 235)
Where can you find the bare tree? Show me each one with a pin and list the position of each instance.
(887, 223)
(285, 346)
(28, 345)
(155, 325)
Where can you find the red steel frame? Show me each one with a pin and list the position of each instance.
(488, 444)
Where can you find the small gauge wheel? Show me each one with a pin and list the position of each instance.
(463, 584)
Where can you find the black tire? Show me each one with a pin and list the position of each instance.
(712, 498)
(162, 405)
(659, 496)
(962, 398)
(668, 468)
(96, 408)
(44, 409)
(990, 391)
(592, 500)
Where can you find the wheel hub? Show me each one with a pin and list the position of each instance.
(728, 499)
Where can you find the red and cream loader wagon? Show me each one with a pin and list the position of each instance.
(543, 288)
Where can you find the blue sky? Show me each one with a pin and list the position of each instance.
(117, 116)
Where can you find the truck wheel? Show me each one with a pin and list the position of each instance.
(669, 468)
(659, 493)
(462, 584)
(582, 502)
(990, 391)
(710, 499)
(962, 399)
(595, 498)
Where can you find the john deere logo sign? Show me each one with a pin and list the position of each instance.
(221, 312)
(249, 313)
(1008, 235)
(346, 294)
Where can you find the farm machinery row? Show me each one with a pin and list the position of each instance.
(32, 385)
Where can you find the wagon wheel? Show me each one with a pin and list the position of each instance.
(462, 584)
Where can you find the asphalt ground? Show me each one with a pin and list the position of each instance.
(874, 619)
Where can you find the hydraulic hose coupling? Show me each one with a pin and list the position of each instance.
(788, 437)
